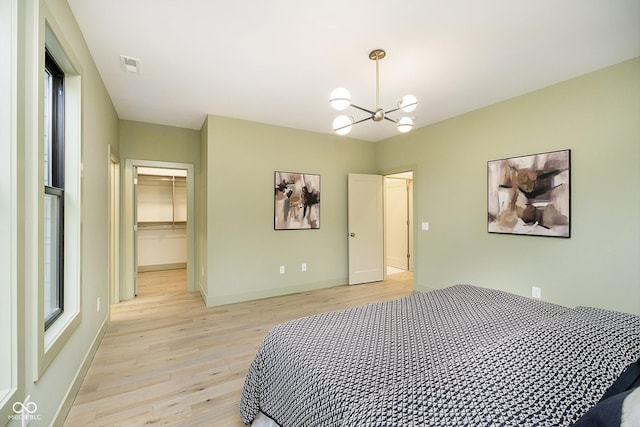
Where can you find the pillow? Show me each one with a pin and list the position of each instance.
(620, 410)
(631, 410)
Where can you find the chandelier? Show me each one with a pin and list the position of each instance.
(340, 99)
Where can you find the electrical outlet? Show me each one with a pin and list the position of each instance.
(304, 266)
(536, 292)
(282, 269)
(98, 305)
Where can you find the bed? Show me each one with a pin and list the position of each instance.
(463, 355)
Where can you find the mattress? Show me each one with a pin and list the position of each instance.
(463, 355)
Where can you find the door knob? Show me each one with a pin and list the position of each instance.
(352, 234)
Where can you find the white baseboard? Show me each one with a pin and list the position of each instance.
(67, 403)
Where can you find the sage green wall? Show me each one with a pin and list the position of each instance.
(597, 116)
(244, 252)
(55, 389)
(147, 141)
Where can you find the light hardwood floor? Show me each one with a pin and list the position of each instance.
(167, 360)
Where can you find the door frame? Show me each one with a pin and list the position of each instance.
(128, 284)
(114, 227)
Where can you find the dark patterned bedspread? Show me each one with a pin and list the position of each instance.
(457, 356)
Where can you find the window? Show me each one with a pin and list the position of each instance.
(53, 191)
(56, 213)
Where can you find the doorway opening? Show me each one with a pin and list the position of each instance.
(161, 209)
(159, 218)
(398, 223)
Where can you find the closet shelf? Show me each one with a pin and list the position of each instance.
(161, 200)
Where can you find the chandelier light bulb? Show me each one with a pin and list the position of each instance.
(340, 99)
(408, 103)
(342, 125)
(405, 124)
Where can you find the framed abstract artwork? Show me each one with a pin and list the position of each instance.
(296, 201)
(530, 195)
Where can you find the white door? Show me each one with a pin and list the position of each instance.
(366, 225)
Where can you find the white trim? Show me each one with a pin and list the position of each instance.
(9, 300)
(113, 227)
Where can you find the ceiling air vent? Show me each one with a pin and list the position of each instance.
(129, 64)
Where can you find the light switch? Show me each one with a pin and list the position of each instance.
(425, 226)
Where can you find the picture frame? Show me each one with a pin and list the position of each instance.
(530, 195)
(296, 201)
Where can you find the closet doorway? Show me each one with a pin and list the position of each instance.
(158, 221)
(398, 222)
(161, 210)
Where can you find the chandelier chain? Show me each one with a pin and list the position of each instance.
(377, 84)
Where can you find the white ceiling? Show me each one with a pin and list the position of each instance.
(277, 61)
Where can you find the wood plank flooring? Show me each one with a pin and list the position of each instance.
(166, 359)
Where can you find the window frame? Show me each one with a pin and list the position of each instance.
(55, 174)
(50, 343)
